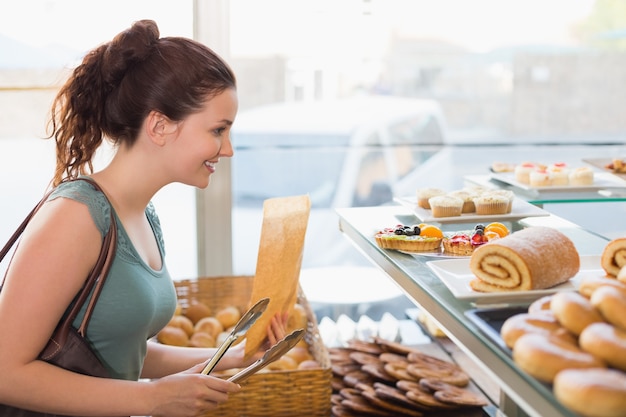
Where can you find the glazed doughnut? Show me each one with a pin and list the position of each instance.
(589, 284)
(543, 356)
(541, 305)
(606, 342)
(516, 326)
(611, 303)
(574, 311)
(592, 392)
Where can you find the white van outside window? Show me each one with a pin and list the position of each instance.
(342, 153)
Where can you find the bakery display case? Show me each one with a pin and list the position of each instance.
(470, 322)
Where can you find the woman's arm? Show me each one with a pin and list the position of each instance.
(55, 254)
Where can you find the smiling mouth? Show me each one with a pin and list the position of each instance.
(210, 165)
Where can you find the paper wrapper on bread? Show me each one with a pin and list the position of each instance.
(285, 221)
(531, 259)
(614, 256)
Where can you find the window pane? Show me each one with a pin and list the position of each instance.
(496, 72)
(40, 41)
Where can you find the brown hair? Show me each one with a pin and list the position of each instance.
(117, 85)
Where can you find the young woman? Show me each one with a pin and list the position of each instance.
(167, 105)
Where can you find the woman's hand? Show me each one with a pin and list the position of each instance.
(276, 330)
(190, 393)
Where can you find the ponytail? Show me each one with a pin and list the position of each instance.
(118, 83)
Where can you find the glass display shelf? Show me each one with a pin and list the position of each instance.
(457, 166)
(521, 394)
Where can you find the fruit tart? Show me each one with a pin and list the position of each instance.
(414, 238)
(463, 243)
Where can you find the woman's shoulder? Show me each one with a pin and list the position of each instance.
(84, 192)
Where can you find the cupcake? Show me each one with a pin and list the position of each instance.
(446, 206)
(491, 204)
(468, 200)
(522, 172)
(581, 176)
(424, 194)
(510, 195)
(539, 178)
(559, 173)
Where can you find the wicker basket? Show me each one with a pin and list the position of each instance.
(276, 393)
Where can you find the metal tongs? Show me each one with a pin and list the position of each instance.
(245, 322)
(272, 354)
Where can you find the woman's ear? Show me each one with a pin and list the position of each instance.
(159, 127)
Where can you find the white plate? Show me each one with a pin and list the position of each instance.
(456, 275)
(600, 181)
(520, 210)
(601, 163)
(433, 254)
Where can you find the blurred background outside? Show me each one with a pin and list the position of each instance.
(342, 100)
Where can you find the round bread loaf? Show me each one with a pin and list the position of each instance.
(592, 392)
(209, 325)
(228, 316)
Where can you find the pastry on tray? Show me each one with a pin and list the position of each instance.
(534, 258)
(414, 238)
(465, 242)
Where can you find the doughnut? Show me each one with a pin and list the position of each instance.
(589, 284)
(574, 311)
(611, 303)
(592, 392)
(606, 342)
(516, 326)
(544, 356)
(541, 305)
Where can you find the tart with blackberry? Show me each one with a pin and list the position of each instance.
(414, 238)
(463, 243)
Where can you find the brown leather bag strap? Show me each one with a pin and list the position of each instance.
(98, 273)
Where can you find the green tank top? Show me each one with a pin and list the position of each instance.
(136, 301)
